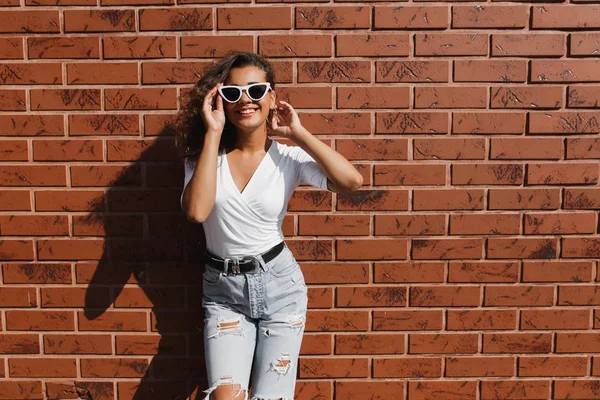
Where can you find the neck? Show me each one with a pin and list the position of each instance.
(252, 142)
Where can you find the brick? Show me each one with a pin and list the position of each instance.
(517, 342)
(575, 389)
(450, 97)
(176, 19)
(582, 199)
(144, 47)
(526, 148)
(466, 320)
(582, 97)
(310, 200)
(555, 319)
(99, 21)
(113, 321)
(487, 174)
(412, 71)
(96, 390)
(444, 296)
(483, 271)
(522, 295)
(564, 71)
(295, 46)
(380, 200)
(29, 320)
(436, 343)
(334, 225)
(557, 271)
(408, 272)
(19, 344)
(140, 150)
(70, 249)
(562, 173)
(65, 99)
(46, 21)
(479, 366)
(447, 199)
(528, 45)
(217, 46)
(312, 250)
(578, 295)
(451, 44)
(15, 200)
(102, 176)
(410, 17)
(244, 18)
(564, 17)
(12, 100)
(43, 367)
(33, 175)
(411, 123)
(449, 390)
(372, 296)
(449, 149)
(522, 248)
(370, 344)
(407, 367)
(113, 367)
(319, 297)
(561, 223)
(74, 297)
(336, 320)
(409, 225)
(485, 224)
(158, 125)
(14, 150)
(284, 71)
(149, 345)
(30, 74)
(332, 273)
(77, 344)
(16, 250)
(582, 342)
(321, 17)
(526, 97)
(11, 49)
(337, 123)
(306, 96)
(103, 124)
(18, 273)
(383, 390)
(528, 389)
(333, 367)
(32, 225)
(23, 389)
(584, 44)
(158, 297)
(446, 249)
(372, 45)
(172, 72)
(372, 97)
(71, 200)
(373, 149)
(334, 71)
(141, 99)
(82, 47)
(310, 389)
(583, 148)
(468, 17)
(410, 174)
(317, 344)
(67, 150)
(488, 123)
(563, 123)
(407, 320)
(524, 199)
(102, 73)
(372, 249)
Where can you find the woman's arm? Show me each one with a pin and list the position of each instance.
(342, 176)
(200, 193)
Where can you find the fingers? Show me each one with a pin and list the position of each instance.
(207, 103)
(219, 100)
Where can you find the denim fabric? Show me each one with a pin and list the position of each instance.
(253, 327)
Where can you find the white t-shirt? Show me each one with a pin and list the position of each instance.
(249, 223)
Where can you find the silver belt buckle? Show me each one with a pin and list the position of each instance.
(235, 268)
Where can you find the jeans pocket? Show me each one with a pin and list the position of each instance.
(211, 276)
(284, 264)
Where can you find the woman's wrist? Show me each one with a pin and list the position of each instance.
(299, 134)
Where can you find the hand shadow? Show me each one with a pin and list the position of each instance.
(146, 288)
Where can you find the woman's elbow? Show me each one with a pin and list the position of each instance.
(352, 185)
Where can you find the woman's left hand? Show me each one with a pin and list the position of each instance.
(285, 121)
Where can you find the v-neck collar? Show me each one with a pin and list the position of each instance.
(230, 175)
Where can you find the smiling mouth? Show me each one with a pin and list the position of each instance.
(247, 112)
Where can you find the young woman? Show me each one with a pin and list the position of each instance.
(237, 184)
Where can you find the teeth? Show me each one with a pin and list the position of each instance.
(247, 112)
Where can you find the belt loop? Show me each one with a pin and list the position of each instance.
(225, 265)
(262, 262)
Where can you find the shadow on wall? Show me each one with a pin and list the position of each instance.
(147, 287)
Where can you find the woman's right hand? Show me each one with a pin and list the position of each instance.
(212, 111)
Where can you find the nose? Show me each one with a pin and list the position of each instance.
(245, 98)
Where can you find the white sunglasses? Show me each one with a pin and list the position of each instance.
(255, 92)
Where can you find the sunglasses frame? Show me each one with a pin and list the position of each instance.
(242, 89)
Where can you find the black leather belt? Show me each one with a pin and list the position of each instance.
(244, 265)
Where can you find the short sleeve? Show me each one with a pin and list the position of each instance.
(307, 169)
(189, 165)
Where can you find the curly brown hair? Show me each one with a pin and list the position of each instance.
(189, 126)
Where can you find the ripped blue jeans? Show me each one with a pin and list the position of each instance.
(253, 326)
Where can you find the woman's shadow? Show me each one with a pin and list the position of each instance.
(147, 286)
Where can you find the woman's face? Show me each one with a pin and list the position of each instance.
(246, 114)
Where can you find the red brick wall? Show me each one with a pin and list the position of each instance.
(465, 268)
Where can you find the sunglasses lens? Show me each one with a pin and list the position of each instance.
(257, 92)
(231, 94)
